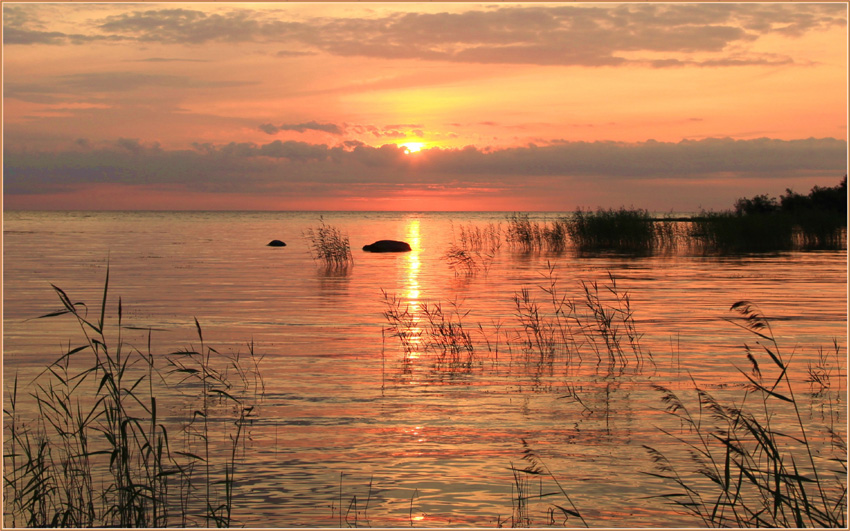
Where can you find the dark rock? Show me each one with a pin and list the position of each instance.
(276, 243)
(387, 246)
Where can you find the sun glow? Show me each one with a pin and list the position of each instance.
(412, 147)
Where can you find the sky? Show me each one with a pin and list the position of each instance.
(420, 106)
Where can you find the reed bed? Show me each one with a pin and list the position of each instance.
(632, 231)
(473, 248)
(429, 328)
(486, 239)
(758, 475)
(329, 247)
(727, 232)
(525, 235)
(624, 230)
(102, 451)
(550, 328)
(753, 472)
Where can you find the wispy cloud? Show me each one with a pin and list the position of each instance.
(302, 127)
(51, 88)
(595, 35)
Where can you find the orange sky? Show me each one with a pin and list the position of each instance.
(516, 106)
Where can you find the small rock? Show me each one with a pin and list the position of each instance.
(276, 243)
(387, 246)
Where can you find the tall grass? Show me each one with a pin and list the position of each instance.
(565, 328)
(473, 248)
(329, 247)
(727, 232)
(526, 235)
(523, 494)
(758, 474)
(101, 453)
(549, 328)
(486, 239)
(428, 328)
(816, 229)
(447, 337)
(624, 230)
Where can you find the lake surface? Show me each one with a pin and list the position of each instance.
(348, 412)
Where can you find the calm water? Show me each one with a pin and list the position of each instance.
(343, 407)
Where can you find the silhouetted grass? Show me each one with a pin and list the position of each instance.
(624, 230)
(818, 229)
(100, 453)
(526, 235)
(547, 330)
(473, 249)
(726, 232)
(759, 475)
(523, 492)
(329, 247)
(447, 338)
(487, 239)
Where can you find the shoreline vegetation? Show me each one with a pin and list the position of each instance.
(107, 450)
(760, 224)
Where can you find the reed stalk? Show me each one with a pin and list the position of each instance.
(329, 247)
(536, 468)
(99, 453)
(758, 474)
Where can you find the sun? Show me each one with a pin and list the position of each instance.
(412, 147)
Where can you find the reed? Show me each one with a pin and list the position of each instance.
(403, 323)
(465, 262)
(100, 453)
(602, 322)
(622, 230)
(486, 239)
(522, 233)
(536, 468)
(527, 236)
(819, 229)
(473, 248)
(727, 232)
(447, 338)
(329, 247)
(757, 474)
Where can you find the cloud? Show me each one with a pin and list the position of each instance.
(650, 159)
(277, 167)
(49, 89)
(588, 35)
(170, 60)
(302, 127)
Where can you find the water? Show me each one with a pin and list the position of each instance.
(343, 408)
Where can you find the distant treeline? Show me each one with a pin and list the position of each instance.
(761, 223)
(824, 199)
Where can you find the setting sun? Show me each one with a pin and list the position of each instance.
(412, 147)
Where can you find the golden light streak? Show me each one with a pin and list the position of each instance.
(413, 264)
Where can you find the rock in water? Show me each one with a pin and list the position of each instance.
(387, 246)
(276, 243)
